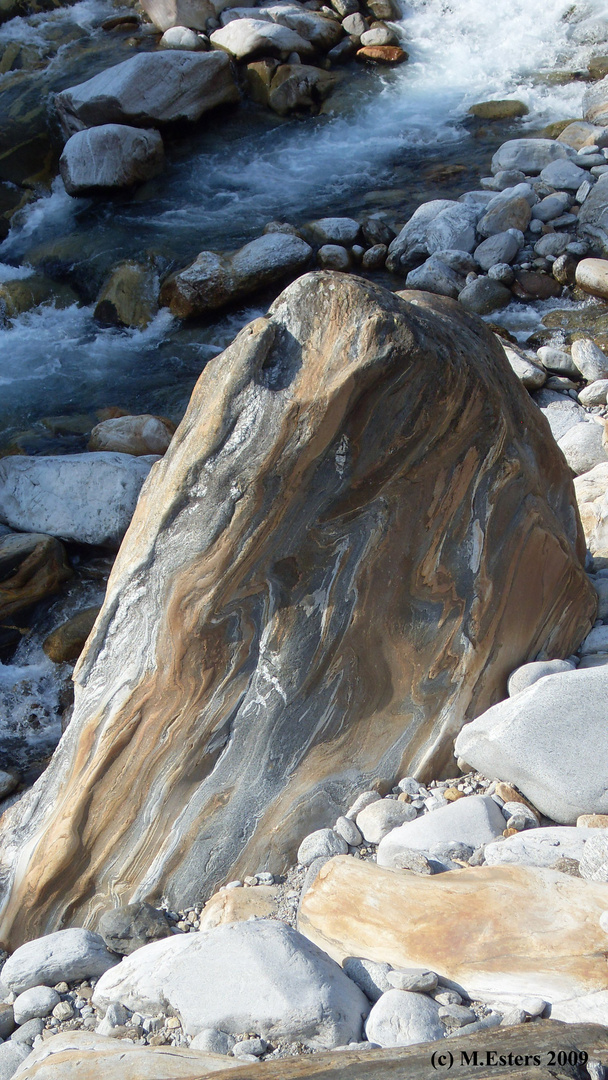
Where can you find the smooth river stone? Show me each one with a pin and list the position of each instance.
(359, 530)
(488, 929)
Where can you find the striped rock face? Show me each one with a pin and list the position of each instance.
(361, 527)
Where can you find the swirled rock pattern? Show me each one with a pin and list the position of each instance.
(361, 527)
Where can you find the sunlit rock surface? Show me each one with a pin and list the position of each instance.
(361, 527)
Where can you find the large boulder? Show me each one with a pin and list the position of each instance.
(89, 498)
(548, 741)
(489, 929)
(214, 280)
(149, 89)
(360, 529)
(473, 821)
(110, 156)
(260, 976)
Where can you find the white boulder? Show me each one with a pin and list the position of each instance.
(401, 1018)
(36, 1002)
(539, 847)
(260, 976)
(548, 741)
(529, 156)
(88, 498)
(66, 956)
(245, 38)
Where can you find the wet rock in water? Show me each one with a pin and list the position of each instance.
(299, 86)
(564, 269)
(192, 14)
(484, 295)
(110, 156)
(333, 257)
(67, 641)
(332, 230)
(527, 674)
(406, 920)
(129, 297)
(248, 38)
(9, 780)
(595, 103)
(547, 740)
(379, 35)
(508, 109)
(583, 447)
(22, 295)
(181, 37)
(149, 89)
(382, 54)
(137, 435)
(344, 51)
(530, 285)
(89, 498)
(530, 156)
(128, 928)
(67, 955)
(213, 280)
(288, 455)
(473, 821)
(400, 1018)
(592, 275)
(374, 257)
(259, 78)
(32, 566)
(260, 976)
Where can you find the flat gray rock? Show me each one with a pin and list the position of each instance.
(260, 976)
(548, 741)
(401, 1018)
(530, 374)
(110, 156)
(369, 975)
(334, 230)
(67, 955)
(453, 228)
(561, 411)
(500, 248)
(128, 928)
(565, 175)
(88, 498)
(530, 156)
(590, 360)
(539, 847)
(11, 1056)
(596, 641)
(149, 89)
(527, 674)
(474, 821)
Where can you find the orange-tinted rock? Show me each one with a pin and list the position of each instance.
(67, 641)
(32, 566)
(490, 929)
(137, 435)
(237, 905)
(382, 54)
(360, 529)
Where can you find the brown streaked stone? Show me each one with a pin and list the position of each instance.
(237, 905)
(361, 527)
(382, 54)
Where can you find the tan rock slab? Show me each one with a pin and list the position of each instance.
(382, 54)
(592, 276)
(578, 133)
(236, 905)
(78, 1055)
(510, 794)
(592, 821)
(488, 929)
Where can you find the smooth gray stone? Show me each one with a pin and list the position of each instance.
(66, 955)
(552, 244)
(322, 844)
(484, 296)
(583, 447)
(149, 89)
(551, 206)
(245, 38)
(259, 976)
(435, 276)
(564, 175)
(349, 832)
(35, 1002)
(530, 156)
(557, 360)
(527, 674)
(547, 741)
(369, 975)
(333, 230)
(561, 412)
(411, 242)
(376, 820)
(500, 248)
(473, 821)
(401, 1018)
(213, 1041)
(531, 375)
(454, 228)
(417, 980)
(27, 1032)
(590, 360)
(7, 1018)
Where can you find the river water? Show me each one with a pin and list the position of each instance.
(373, 150)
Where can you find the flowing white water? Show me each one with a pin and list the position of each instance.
(379, 133)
